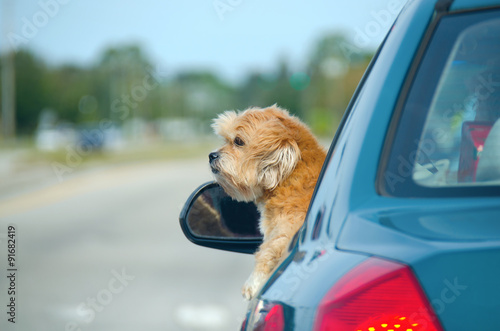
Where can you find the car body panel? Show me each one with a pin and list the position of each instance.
(300, 283)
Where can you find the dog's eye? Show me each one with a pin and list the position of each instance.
(239, 142)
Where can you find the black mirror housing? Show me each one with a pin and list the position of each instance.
(211, 218)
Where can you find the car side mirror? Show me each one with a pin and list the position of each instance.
(213, 219)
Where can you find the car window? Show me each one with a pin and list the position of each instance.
(449, 133)
(464, 109)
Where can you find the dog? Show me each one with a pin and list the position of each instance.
(272, 159)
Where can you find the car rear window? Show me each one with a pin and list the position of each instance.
(448, 139)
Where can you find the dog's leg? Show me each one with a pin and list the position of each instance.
(266, 259)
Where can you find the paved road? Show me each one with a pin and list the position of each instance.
(103, 251)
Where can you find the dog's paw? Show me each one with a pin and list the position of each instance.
(253, 283)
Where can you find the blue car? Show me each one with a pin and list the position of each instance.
(403, 230)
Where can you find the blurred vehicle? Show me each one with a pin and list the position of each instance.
(402, 232)
(94, 137)
(91, 137)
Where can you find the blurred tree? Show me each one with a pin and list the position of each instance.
(335, 68)
(200, 95)
(254, 91)
(67, 85)
(123, 85)
(283, 93)
(31, 92)
(261, 90)
(125, 81)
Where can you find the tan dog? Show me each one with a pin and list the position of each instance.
(271, 158)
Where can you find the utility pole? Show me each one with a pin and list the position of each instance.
(8, 118)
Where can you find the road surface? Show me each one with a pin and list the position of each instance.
(103, 250)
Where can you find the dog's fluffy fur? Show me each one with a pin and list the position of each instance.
(271, 158)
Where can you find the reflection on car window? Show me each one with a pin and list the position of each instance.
(460, 141)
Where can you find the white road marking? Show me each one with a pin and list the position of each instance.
(202, 317)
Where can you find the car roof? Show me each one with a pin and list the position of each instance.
(471, 4)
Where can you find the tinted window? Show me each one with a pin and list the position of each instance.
(448, 139)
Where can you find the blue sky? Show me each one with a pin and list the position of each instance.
(230, 37)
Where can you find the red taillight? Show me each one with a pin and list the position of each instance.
(272, 318)
(275, 319)
(244, 324)
(376, 295)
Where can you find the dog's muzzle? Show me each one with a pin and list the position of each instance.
(213, 158)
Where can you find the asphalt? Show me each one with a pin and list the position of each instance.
(103, 250)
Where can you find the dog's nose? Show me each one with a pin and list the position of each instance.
(213, 156)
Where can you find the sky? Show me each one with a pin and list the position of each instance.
(230, 37)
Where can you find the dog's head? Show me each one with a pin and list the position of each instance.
(260, 151)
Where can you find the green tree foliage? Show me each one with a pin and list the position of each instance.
(31, 92)
(124, 79)
(123, 84)
(335, 67)
(200, 95)
(66, 86)
(264, 90)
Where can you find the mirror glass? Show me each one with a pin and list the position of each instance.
(214, 214)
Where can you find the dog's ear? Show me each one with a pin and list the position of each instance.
(279, 164)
